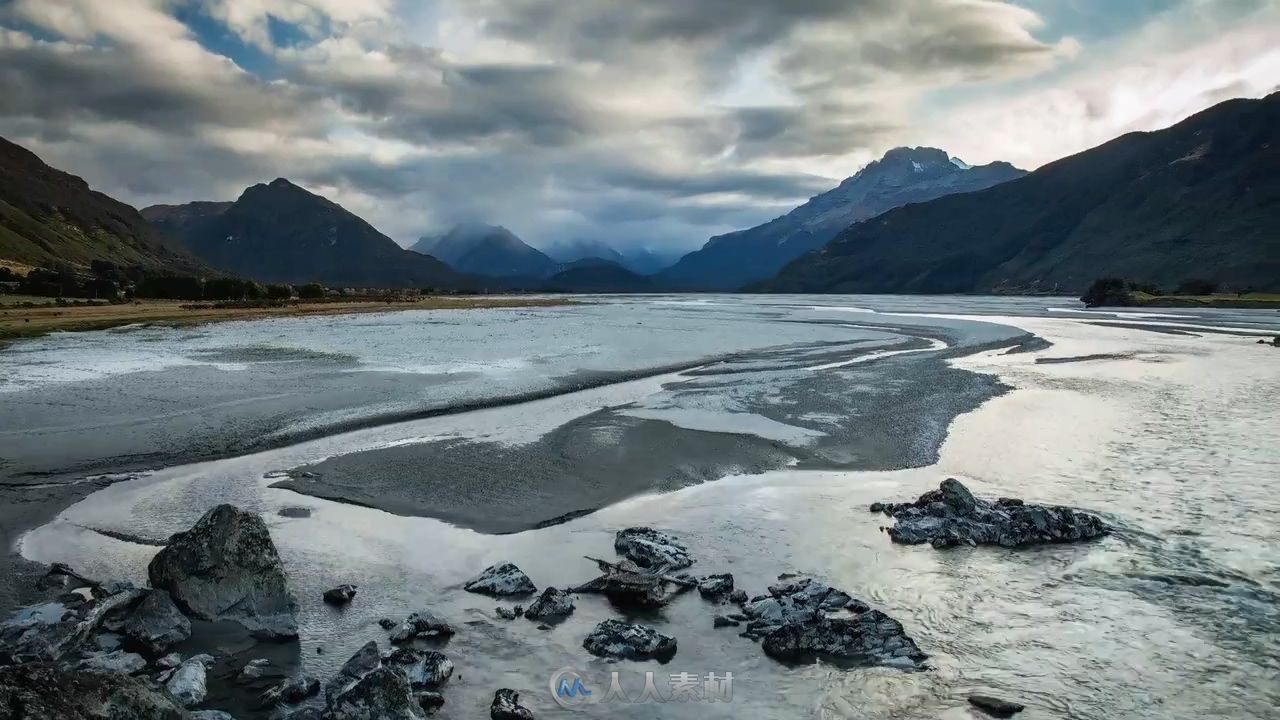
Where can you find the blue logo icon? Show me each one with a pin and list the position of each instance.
(568, 689)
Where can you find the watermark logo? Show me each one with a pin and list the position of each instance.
(571, 688)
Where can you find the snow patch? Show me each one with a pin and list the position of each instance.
(960, 163)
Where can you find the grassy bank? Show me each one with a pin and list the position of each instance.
(17, 321)
(1265, 301)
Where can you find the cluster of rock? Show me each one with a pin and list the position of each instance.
(951, 516)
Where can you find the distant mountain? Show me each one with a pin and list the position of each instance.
(1200, 199)
(594, 275)
(902, 176)
(49, 216)
(487, 250)
(641, 261)
(279, 232)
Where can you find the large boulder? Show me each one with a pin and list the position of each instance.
(226, 568)
(293, 690)
(421, 624)
(552, 604)
(363, 662)
(340, 595)
(506, 706)
(501, 580)
(424, 669)
(651, 548)
(382, 694)
(41, 691)
(716, 587)
(951, 516)
(794, 599)
(616, 639)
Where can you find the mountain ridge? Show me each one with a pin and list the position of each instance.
(490, 250)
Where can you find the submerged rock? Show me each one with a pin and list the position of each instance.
(951, 516)
(651, 548)
(867, 638)
(715, 587)
(421, 624)
(794, 600)
(501, 580)
(422, 668)
(430, 701)
(552, 604)
(995, 707)
(506, 706)
(721, 621)
(381, 694)
(621, 640)
(41, 691)
(340, 595)
(226, 568)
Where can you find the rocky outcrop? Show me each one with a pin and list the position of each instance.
(116, 661)
(501, 580)
(625, 641)
(552, 604)
(421, 624)
(381, 694)
(422, 668)
(293, 690)
(651, 548)
(340, 595)
(803, 619)
(154, 625)
(995, 707)
(628, 585)
(951, 516)
(716, 587)
(41, 691)
(226, 568)
(364, 661)
(506, 706)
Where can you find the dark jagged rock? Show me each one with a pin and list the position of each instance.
(995, 707)
(423, 668)
(226, 568)
(340, 595)
(951, 516)
(867, 638)
(295, 512)
(795, 600)
(155, 624)
(716, 587)
(430, 701)
(552, 604)
(651, 548)
(364, 661)
(506, 706)
(211, 715)
(61, 575)
(387, 623)
(721, 621)
(421, 624)
(501, 580)
(41, 691)
(738, 597)
(53, 631)
(117, 661)
(620, 640)
(381, 694)
(292, 691)
(507, 613)
(628, 585)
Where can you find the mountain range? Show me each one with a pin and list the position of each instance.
(48, 217)
(487, 250)
(902, 176)
(279, 232)
(639, 260)
(1200, 199)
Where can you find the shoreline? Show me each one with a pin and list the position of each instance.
(17, 322)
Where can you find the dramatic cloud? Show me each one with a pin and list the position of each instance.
(655, 123)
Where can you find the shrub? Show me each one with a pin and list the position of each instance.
(311, 291)
(1109, 292)
(279, 292)
(1197, 286)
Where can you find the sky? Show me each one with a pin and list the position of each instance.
(641, 123)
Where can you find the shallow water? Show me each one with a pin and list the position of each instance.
(1173, 437)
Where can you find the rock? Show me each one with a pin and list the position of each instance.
(715, 587)
(501, 580)
(506, 706)
(423, 668)
(53, 631)
(170, 661)
(187, 684)
(795, 600)
(254, 669)
(155, 624)
(620, 640)
(627, 585)
(504, 613)
(41, 691)
(119, 661)
(295, 512)
(291, 691)
(651, 548)
(363, 662)
(951, 516)
(226, 568)
(995, 707)
(430, 701)
(738, 597)
(340, 595)
(61, 575)
(421, 624)
(868, 638)
(552, 604)
(387, 623)
(721, 621)
(382, 694)
(211, 715)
